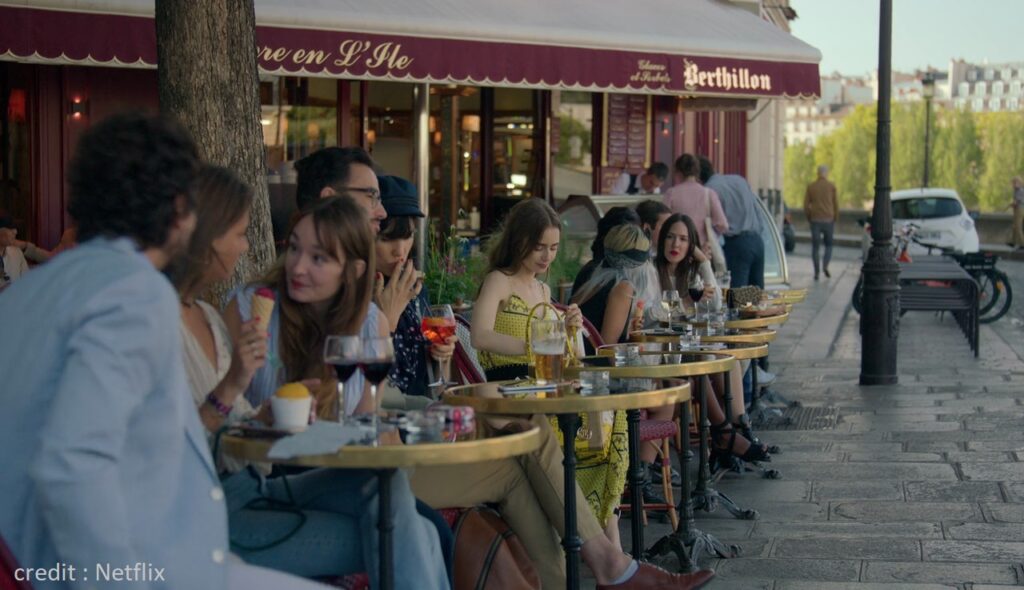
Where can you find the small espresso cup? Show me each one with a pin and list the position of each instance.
(291, 413)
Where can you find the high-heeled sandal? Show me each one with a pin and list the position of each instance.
(753, 454)
(748, 432)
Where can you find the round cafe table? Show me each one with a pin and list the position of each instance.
(749, 335)
(384, 459)
(687, 542)
(567, 404)
(750, 323)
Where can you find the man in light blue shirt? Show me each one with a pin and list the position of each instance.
(744, 247)
(107, 476)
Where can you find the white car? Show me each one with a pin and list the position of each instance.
(941, 216)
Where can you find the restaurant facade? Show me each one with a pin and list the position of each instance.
(480, 102)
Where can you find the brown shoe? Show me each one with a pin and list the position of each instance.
(650, 577)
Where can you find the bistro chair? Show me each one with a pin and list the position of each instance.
(466, 362)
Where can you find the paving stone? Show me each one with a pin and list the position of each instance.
(930, 491)
(802, 585)
(1015, 491)
(986, 403)
(992, 471)
(834, 529)
(979, 531)
(933, 447)
(720, 583)
(883, 571)
(871, 417)
(871, 471)
(832, 570)
(1006, 512)
(821, 547)
(774, 512)
(894, 457)
(904, 511)
(963, 435)
(857, 490)
(978, 457)
(905, 426)
(787, 456)
(756, 491)
(868, 447)
(996, 445)
(974, 551)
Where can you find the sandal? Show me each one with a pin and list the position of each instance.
(753, 454)
(748, 432)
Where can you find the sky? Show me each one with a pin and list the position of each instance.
(925, 32)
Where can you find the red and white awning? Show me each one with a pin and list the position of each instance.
(692, 47)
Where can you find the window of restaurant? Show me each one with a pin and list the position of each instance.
(518, 149)
(389, 127)
(572, 137)
(456, 155)
(299, 116)
(15, 148)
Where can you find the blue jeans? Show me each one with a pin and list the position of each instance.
(744, 255)
(339, 535)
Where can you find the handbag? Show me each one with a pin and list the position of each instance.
(489, 556)
(713, 249)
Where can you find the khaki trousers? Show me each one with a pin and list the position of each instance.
(529, 493)
(1018, 221)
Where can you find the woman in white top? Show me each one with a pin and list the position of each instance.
(678, 260)
(334, 533)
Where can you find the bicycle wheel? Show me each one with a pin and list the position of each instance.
(1002, 284)
(988, 291)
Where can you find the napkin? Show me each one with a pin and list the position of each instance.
(319, 438)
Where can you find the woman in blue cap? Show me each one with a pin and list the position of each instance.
(400, 293)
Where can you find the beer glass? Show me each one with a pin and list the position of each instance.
(547, 342)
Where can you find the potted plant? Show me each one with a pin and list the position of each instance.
(451, 273)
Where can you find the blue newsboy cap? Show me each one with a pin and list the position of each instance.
(399, 197)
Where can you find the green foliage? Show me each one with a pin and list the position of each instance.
(1002, 142)
(975, 154)
(451, 274)
(799, 171)
(957, 159)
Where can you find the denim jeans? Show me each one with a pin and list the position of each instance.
(339, 535)
(744, 255)
(821, 230)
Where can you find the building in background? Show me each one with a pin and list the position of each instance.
(807, 120)
(481, 103)
(987, 87)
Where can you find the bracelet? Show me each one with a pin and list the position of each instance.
(222, 408)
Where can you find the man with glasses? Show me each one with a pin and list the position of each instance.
(338, 171)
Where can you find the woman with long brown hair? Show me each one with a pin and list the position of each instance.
(336, 530)
(323, 286)
(679, 259)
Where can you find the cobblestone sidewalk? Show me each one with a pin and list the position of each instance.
(918, 486)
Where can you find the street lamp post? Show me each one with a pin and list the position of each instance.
(879, 322)
(928, 93)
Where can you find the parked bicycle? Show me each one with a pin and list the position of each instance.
(995, 295)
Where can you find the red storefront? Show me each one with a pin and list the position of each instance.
(480, 105)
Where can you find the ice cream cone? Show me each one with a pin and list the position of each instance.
(263, 306)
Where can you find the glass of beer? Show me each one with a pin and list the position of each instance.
(547, 342)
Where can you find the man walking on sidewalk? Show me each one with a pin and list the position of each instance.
(821, 206)
(744, 246)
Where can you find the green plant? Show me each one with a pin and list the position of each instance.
(451, 274)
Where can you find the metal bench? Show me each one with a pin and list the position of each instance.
(938, 283)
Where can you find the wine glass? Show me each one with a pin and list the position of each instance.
(378, 355)
(343, 353)
(671, 303)
(438, 325)
(696, 288)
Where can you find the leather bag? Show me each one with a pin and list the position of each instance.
(489, 556)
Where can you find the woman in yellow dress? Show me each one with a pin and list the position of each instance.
(526, 248)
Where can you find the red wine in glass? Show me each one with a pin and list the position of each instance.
(344, 368)
(377, 370)
(696, 294)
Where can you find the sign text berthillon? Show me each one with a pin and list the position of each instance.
(723, 78)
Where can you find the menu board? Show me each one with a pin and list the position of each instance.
(627, 138)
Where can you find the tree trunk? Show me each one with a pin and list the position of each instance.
(209, 81)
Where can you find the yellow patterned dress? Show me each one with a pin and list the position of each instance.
(601, 473)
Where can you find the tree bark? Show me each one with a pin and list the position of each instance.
(208, 80)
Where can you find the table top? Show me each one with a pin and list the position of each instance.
(653, 365)
(485, 398)
(750, 335)
(740, 350)
(481, 445)
(787, 295)
(746, 323)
